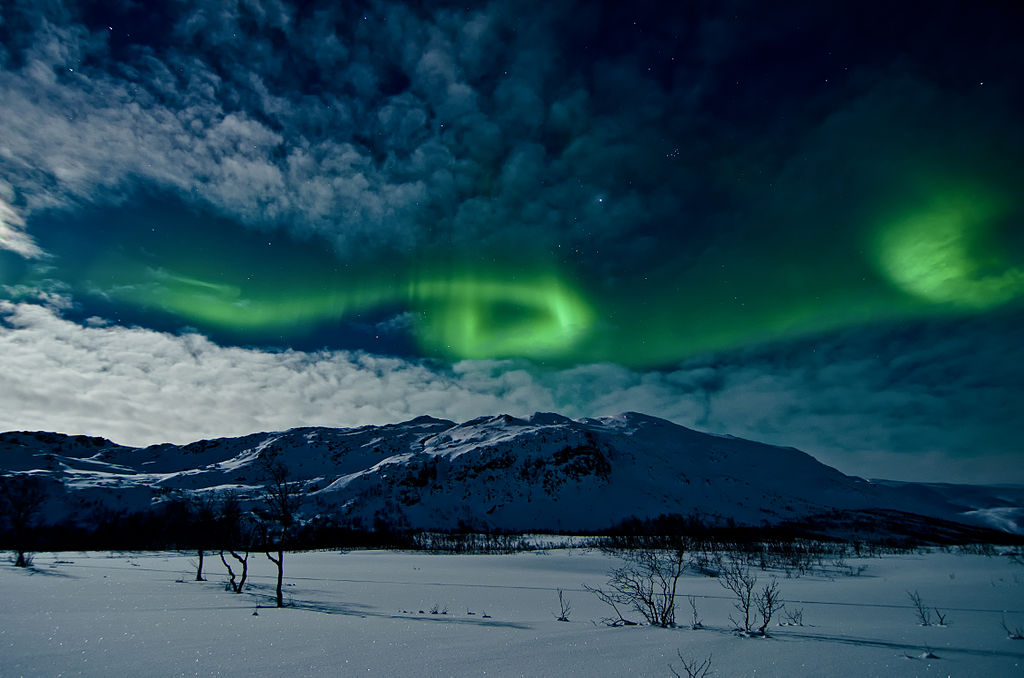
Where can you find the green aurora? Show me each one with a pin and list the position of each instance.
(460, 314)
(940, 257)
(942, 253)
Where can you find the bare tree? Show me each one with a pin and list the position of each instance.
(236, 536)
(282, 498)
(236, 583)
(613, 600)
(794, 617)
(924, 616)
(564, 607)
(646, 584)
(692, 667)
(695, 621)
(737, 578)
(1014, 633)
(768, 604)
(202, 513)
(21, 498)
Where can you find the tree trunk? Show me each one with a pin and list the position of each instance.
(231, 573)
(280, 577)
(245, 570)
(199, 570)
(279, 561)
(239, 585)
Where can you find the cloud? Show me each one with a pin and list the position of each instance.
(12, 231)
(935, 403)
(402, 129)
(929, 400)
(82, 125)
(393, 128)
(140, 386)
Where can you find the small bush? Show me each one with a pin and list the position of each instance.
(692, 667)
(1013, 633)
(564, 607)
(646, 584)
(695, 621)
(924, 615)
(742, 583)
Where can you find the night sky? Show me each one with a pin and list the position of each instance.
(799, 222)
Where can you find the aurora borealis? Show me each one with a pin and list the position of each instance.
(933, 253)
(587, 207)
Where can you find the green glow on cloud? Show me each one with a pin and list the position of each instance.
(941, 254)
(473, 316)
(460, 312)
(937, 250)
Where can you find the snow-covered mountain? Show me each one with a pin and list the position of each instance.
(546, 472)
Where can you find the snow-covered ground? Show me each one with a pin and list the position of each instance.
(370, 613)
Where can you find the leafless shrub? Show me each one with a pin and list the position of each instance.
(613, 600)
(564, 607)
(692, 667)
(1013, 633)
(646, 584)
(24, 559)
(695, 621)
(736, 577)
(924, 615)
(940, 616)
(976, 549)
(794, 617)
(471, 542)
(768, 604)
(703, 560)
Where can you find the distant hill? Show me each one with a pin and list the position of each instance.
(543, 473)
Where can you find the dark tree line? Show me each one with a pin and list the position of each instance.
(21, 500)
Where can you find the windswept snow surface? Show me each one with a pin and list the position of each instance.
(369, 613)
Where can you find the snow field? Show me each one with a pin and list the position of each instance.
(370, 613)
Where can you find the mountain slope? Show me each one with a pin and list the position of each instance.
(546, 472)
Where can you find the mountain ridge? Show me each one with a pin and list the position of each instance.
(543, 472)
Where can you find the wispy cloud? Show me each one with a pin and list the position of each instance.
(12, 231)
(391, 127)
(902, 407)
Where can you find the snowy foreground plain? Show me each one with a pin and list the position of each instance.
(369, 613)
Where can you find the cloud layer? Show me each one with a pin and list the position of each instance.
(384, 128)
(399, 127)
(928, 404)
